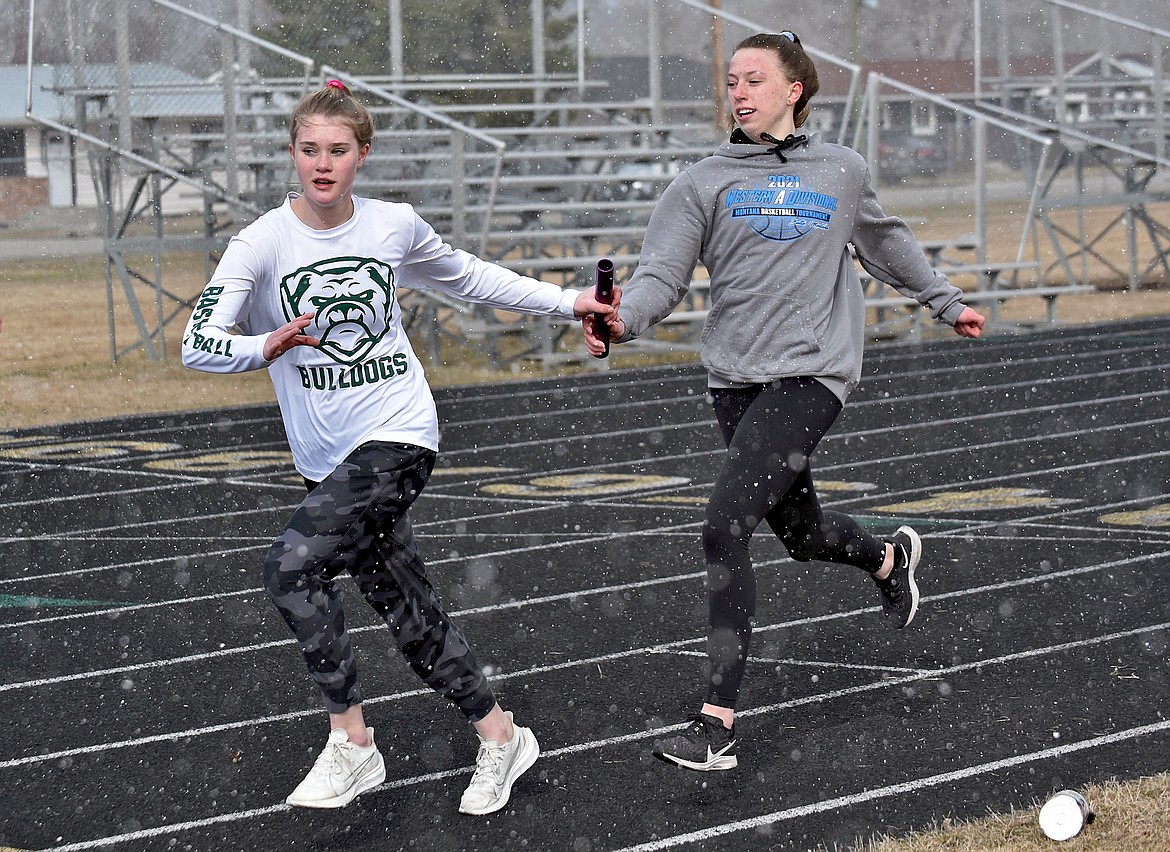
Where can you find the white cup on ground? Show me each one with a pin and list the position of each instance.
(1064, 815)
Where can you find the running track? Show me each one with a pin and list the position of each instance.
(155, 701)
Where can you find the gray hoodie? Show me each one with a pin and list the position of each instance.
(785, 296)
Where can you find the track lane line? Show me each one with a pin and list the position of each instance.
(739, 825)
(659, 648)
(916, 785)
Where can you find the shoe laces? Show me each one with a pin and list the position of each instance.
(335, 755)
(890, 586)
(701, 730)
(488, 763)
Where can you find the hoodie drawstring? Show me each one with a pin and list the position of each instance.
(787, 143)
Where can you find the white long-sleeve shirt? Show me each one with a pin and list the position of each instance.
(364, 382)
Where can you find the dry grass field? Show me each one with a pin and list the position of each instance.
(1130, 817)
(55, 351)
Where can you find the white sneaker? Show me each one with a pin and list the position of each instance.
(496, 769)
(342, 771)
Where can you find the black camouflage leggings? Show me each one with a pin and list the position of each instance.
(356, 521)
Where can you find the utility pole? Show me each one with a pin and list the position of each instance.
(718, 63)
(654, 37)
(855, 31)
(538, 68)
(581, 49)
(395, 37)
(855, 27)
(122, 74)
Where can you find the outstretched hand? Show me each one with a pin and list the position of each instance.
(289, 335)
(586, 304)
(586, 309)
(969, 323)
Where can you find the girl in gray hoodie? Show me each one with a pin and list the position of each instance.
(771, 215)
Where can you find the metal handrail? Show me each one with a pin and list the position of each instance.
(446, 121)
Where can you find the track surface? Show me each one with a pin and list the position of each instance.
(156, 702)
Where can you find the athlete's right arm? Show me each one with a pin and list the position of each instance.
(217, 338)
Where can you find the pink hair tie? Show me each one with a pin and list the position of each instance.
(336, 84)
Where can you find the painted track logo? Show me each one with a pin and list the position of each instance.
(353, 298)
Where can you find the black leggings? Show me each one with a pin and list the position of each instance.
(771, 431)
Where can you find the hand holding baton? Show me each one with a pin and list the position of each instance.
(604, 293)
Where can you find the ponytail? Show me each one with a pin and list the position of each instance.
(334, 101)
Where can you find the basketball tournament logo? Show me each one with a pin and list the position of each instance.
(782, 211)
(352, 297)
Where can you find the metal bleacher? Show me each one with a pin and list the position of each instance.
(528, 172)
(561, 184)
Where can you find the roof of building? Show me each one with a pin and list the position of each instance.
(156, 89)
(13, 94)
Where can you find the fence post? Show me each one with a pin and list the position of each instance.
(458, 188)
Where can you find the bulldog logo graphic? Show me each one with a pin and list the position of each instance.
(353, 298)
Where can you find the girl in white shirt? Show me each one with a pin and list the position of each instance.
(308, 292)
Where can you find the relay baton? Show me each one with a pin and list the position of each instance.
(604, 294)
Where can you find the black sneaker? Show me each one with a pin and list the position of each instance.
(705, 746)
(899, 591)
